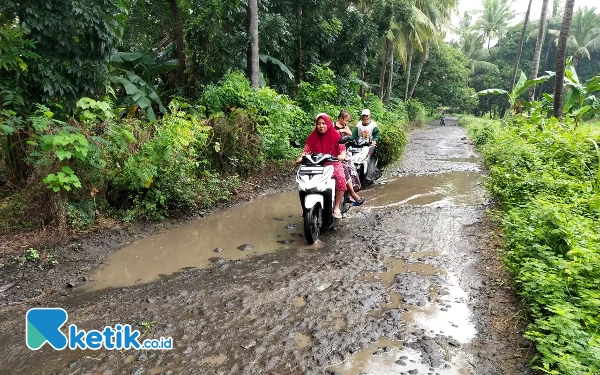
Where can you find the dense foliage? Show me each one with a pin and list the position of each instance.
(96, 163)
(547, 178)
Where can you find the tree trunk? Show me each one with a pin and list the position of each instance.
(253, 29)
(178, 36)
(383, 68)
(538, 48)
(390, 80)
(361, 90)
(408, 68)
(561, 52)
(299, 46)
(546, 66)
(419, 69)
(520, 49)
(18, 168)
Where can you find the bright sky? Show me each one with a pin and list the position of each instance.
(520, 7)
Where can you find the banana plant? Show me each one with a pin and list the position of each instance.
(140, 93)
(580, 99)
(520, 88)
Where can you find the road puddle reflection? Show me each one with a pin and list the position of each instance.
(387, 357)
(446, 189)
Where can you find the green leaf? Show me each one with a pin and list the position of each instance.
(63, 154)
(581, 111)
(150, 114)
(282, 66)
(144, 102)
(130, 88)
(67, 170)
(125, 56)
(492, 92)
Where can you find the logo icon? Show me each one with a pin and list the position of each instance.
(43, 326)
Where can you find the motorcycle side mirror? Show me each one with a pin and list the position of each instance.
(344, 139)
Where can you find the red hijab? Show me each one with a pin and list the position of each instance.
(324, 143)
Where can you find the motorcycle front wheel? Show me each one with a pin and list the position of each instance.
(313, 217)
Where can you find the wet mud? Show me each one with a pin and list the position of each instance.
(408, 283)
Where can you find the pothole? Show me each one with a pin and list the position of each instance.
(447, 189)
(258, 227)
(302, 341)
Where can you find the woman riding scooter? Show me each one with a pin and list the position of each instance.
(324, 139)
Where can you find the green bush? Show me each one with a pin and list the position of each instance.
(546, 178)
(81, 214)
(236, 145)
(282, 123)
(416, 112)
(392, 142)
(231, 92)
(163, 174)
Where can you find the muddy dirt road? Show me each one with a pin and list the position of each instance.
(408, 283)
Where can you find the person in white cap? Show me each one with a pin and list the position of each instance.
(368, 129)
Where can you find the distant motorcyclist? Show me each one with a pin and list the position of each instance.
(367, 129)
(443, 119)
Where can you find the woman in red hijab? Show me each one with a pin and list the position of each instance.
(324, 139)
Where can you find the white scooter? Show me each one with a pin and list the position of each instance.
(317, 193)
(359, 149)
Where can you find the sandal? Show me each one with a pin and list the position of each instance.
(359, 202)
(337, 214)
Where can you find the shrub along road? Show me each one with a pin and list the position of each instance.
(408, 283)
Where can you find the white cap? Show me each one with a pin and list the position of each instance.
(366, 112)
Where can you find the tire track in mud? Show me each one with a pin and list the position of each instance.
(400, 290)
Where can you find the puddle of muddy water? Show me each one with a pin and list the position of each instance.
(302, 341)
(156, 370)
(387, 357)
(451, 317)
(298, 301)
(395, 266)
(453, 188)
(472, 159)
(216, 360)
(260, 223)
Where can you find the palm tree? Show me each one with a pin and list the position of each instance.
(553, 28)
(416, 32)
(561, 52)
(494, 18)
(520, 49)
(538, 47)
(253, 55)
(585, 34)
(471, 44)
(439, 13)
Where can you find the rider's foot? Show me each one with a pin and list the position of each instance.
(359, 202)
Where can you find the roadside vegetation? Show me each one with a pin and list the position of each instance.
(546, 176)
(545, 173)
(539, 136)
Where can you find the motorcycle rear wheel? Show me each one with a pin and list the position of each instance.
(313, 218)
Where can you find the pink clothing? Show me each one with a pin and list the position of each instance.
(338, 171)
(328, 144)
(339, 176)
